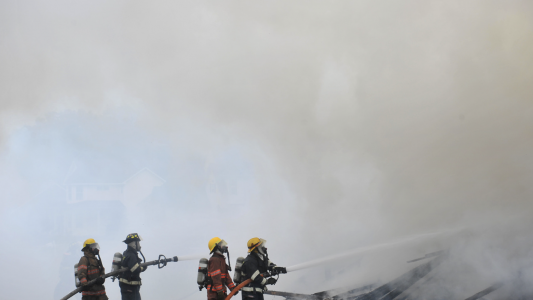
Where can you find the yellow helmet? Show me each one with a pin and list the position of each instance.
(213, 242)
(88, 242)
(253, 243)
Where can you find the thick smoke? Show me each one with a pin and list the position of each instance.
(355, 123)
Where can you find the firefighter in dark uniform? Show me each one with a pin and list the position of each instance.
(130, 280)
(90, 268)
(217, 270)
(255, 264)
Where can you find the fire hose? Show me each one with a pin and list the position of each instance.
(160, 262)
(238, 288)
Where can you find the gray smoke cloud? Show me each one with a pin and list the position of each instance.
(348, 123)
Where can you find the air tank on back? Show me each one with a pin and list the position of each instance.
(202, 273)
(117, 263)
(237, 275)
(76, 279)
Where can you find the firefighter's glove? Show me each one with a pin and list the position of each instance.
(271, 281)
(279, 270)
(86, 287)
(144, 268)
(221, 295)
(100, 280)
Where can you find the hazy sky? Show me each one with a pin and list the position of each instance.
(353, 122)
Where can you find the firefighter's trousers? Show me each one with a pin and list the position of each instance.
(130, 292)
(101, 297)
(252, 296)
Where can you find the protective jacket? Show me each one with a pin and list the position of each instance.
(131, 260)
(217, 271)
(90, 268)
(253, 266)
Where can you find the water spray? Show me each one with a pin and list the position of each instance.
(357, 251)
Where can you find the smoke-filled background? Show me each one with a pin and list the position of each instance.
(321, 126)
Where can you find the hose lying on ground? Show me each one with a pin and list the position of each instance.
(160, 262)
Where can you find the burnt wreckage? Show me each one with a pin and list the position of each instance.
(407, 286)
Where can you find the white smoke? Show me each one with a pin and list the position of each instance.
(357, 123)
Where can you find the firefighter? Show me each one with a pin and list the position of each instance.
(217, 270)
(130, 280)
(90, 268)
(255, 264)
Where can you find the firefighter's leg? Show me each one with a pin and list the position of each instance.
(211, 295)
(138, 293)
(252, 296)
(245, 296)
(129, 292)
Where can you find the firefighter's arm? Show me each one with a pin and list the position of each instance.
(256, 277)
(273, 270)
(101, 279)
(214, 271)
(82, 270)
(132, 264)
(229, 282)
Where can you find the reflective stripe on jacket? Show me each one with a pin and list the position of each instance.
(253, 289)
(130, 282)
